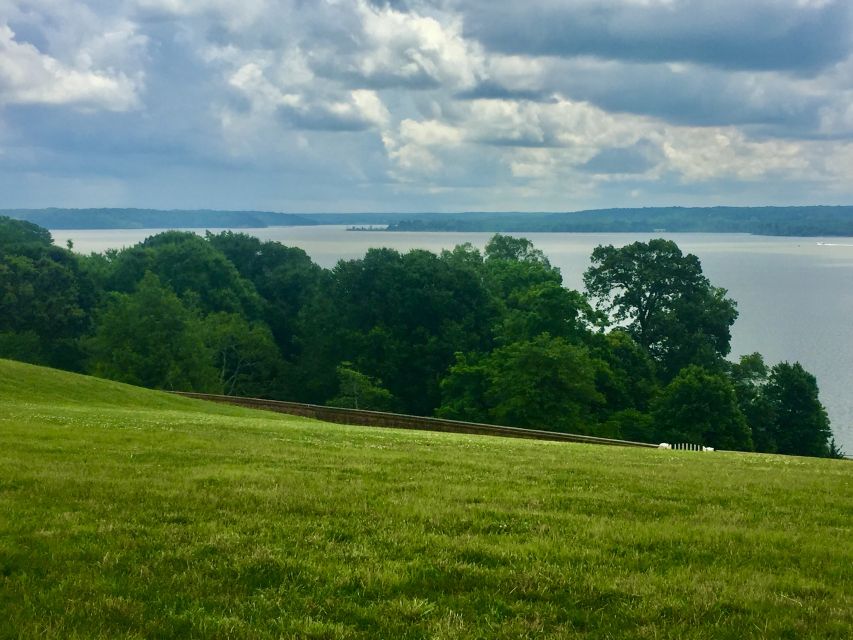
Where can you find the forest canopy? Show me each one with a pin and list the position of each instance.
(487, 336)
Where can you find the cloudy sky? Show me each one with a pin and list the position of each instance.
(425, 105)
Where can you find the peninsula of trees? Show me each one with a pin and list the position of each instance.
(154, 218)
(490, 336)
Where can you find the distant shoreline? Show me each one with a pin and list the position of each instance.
(804, 221)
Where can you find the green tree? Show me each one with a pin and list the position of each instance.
(501, 247)
(700, 407)
(464, 389)
(749, 377)
(17, 233)
(45, 306)
(358, 391)
(543, 383)
(244, 353)
(512, 265)
(285, 277)
(545, 307)
(464, 255)
(195, 270)
(665, 302)
(399, 318)
(150, 338)
(529, 295)
(800, 424)
(835, 450)
(627, 379)
(630, 424)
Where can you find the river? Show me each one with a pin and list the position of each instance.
(794, 295)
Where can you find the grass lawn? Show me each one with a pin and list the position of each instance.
(127, 513)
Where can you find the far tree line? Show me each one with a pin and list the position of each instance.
(488, 336)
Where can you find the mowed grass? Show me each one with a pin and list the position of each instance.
(127, 513)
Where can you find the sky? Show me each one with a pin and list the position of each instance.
(425, 105)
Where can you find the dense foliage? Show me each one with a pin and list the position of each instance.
(488, 336)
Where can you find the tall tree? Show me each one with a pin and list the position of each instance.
(17, 233)
(512, 265)
(545, 307)
(749, 376)
(285, 277)
(244, 355)
(201, 275)
(45, 305)
(700, 407)
(543, 383)
(399, 318)
(662, 298)
(800, 424)
(628, 380)
(464, 389)
(501, 247)
(358, 391)
(150, 338)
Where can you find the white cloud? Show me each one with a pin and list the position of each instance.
(534, 163)
(516, 73)
(370, 107)
(415, 147)
(429, 133)
(414, 159)
(551, 142)
(705, 154)
(506, 122)
(264, 95)
(300, 105)
(402, 98)
(398, 48)
(28, 76)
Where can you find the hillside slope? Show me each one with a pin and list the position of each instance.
(127, 513)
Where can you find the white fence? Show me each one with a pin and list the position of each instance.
(684, 446)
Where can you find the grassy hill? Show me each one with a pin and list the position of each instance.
(127, 513)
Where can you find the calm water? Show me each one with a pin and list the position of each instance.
(795, 296)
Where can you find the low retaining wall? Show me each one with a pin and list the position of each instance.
(401, 421)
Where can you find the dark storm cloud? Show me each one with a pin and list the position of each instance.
(694, 96)
(688, 95)
(732, 34)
